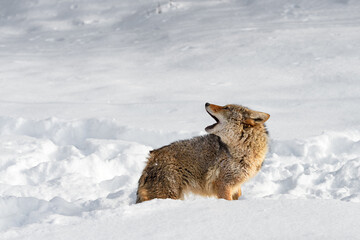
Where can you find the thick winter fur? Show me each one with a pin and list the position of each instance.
(216, 164)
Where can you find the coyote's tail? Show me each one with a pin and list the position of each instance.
(141, 194)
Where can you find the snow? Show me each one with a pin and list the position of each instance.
(87, 88)
(212, 219)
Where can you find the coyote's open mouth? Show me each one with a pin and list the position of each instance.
(213, 125)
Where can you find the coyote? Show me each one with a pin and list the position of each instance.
(216, 164)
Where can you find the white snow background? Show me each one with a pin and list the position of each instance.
(87, 88)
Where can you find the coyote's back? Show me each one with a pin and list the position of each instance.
(216, 164)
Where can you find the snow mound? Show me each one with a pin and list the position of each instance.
(56, 170)
(68, 167)
(325, 167)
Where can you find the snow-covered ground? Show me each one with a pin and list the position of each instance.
(87, 88)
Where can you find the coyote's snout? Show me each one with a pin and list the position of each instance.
(216, 164)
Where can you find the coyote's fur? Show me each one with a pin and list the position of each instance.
(216, 164)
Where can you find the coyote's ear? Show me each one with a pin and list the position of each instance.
(257, 118)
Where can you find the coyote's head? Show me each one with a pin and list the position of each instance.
(231, 119)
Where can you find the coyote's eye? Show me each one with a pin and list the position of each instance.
(226, 108)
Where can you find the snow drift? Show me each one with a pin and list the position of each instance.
(59, 168)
